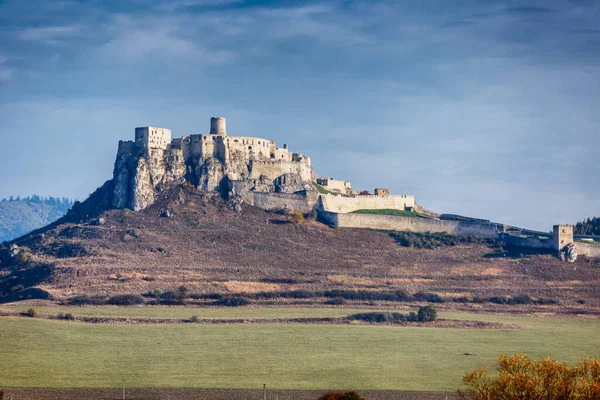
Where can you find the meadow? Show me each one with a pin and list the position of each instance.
(51, 353)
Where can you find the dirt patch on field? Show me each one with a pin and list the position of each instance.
(204, 394)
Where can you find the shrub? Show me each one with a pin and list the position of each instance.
(435, 240)
(519, 377)
(233, 302)
(176, 296)
(299, 294)
(194, 319)
(336, 301)
(32, 313)
(298, 217)
(367, 295)
(379, 317)
(204, 296)
(544, 301)
(428, 297)
(498, 300)
(341, 396)
(521, 299)
(67, 316)
(126, 300)
(427, 313)
(84, 299)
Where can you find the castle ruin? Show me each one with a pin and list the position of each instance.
(259, 173)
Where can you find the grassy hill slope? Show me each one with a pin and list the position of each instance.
(210, 249)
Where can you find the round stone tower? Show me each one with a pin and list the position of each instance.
(217, 126)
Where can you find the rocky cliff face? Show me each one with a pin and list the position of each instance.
(141, 173)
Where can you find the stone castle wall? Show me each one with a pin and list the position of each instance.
(275, 168)
(304, 201)
(588, 250)
(153, 137)
(531, 242)
(398, 223)
(345, 204)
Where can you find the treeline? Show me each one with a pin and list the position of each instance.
(59, 202)
(20, 215)
(590, 226)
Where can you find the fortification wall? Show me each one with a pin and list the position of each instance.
(335, 185)
(342, 204)
(398, 223)
(281, 201)
(274, 169)
(588, 250)
(532, 242)
(249, 147)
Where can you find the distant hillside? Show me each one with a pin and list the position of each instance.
(22, 215)
(590, 226)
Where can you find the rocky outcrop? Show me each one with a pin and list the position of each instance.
(141, 173)
(568, 253)
(142, 189)
(291, 183)
(210, 175)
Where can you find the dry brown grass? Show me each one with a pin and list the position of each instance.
(250, 287)
(208, 248)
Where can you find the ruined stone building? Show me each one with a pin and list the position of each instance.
(212, 162)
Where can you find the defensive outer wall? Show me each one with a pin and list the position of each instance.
(399, 223)
(482, 229)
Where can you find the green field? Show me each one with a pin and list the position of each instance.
(50, 353)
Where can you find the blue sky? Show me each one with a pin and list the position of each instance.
(483, 108)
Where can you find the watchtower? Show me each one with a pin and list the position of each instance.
(562, 235)
(217, 126)
(382, 192)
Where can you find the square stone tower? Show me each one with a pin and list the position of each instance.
(382, 192)
(562, 236)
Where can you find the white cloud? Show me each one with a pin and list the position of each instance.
(155, 39)
(50, 35)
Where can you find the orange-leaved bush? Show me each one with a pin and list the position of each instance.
(520, 377)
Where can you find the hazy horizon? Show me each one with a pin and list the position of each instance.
(480, 108)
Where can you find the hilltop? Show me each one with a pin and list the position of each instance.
(19, 216)
(212, 246)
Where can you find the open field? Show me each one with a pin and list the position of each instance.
(47, 353)
(206, 394)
